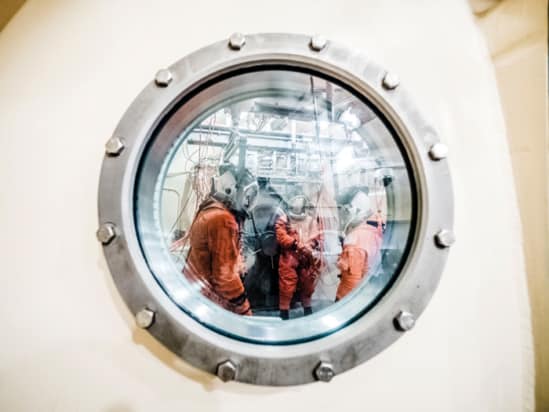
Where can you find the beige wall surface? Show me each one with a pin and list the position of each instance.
(68, 71)
(516, 34)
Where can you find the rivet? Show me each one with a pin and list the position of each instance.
(318, 42)
(144, 318)
(404, 321)
(324, 372)
(226, 371)
(106, 233)
(438, 151)
(237, 41)
(390, 81)
(163, 78)
(114, 146)
(445, 238)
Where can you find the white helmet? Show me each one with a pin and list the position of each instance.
(297, 207)
(359, 206)
(237, 190)
(356, 207)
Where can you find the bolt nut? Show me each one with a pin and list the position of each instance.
(226, 371)
(144, 318)
(324, 372)
(318, 43)
(438, 151)
(237, 41)
(163, 78)
(390, 81)
(114, 146)
(404, 321)
(445, 238)
(106, 233)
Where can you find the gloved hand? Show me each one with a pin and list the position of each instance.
(304, 250)
(305, 253)
(317, 258)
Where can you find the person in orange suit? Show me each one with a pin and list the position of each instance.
(299, 238)
(214, 258)
(361, 246)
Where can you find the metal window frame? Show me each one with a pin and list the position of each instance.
(286, 364)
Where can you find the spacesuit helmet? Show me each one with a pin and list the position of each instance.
(237, 189)
(296, 207)
(356, 206)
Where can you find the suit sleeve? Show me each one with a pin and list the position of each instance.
(282, 236)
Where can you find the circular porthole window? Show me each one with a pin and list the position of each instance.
(274, 209)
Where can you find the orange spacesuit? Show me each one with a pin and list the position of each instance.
(361, 249)
(298, 237)
(214, 257)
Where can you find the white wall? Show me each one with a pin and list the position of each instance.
(516, 36)
(68, 70)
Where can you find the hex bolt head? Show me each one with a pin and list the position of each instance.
(390, 81)
(318, 42)
(324, 372)
(163, 78)
(404, 321)
(226, 371)
(438, 151)
(237, 41)
(445, 238)
(144, 318)
(106, 233)
(114, 146)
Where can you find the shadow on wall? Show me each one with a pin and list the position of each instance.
(480, 7)
(119, 408)
(8, 8)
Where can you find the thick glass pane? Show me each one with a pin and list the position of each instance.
(281, 206)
